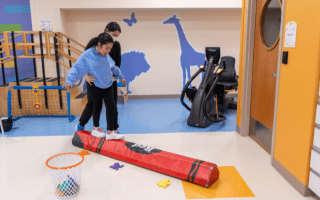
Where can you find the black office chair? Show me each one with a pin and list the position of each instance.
(228, 82)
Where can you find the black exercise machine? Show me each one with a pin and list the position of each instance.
(209, 100)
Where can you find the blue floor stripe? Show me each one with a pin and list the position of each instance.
(136, 117)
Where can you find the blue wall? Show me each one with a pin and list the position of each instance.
(17, 12)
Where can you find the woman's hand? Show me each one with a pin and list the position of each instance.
(89, 79)
(66, 85)
(124, 82)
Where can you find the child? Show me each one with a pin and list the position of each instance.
(113, 28)
(96, 61)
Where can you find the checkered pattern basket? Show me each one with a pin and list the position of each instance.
(65, 171)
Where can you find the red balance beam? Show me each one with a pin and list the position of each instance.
(182, 167)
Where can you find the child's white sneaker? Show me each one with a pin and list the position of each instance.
(112, 135)
(98, 132)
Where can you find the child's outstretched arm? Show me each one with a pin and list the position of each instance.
(78, 70)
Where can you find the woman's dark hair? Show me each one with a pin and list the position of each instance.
(103, 38)
(113, 26)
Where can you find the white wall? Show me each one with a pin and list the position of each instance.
(159, 42)
(203, 27)
(47, 9)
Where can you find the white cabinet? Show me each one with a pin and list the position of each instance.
(318, 115)
(316, 138)
(315, 161)
(314, 182)
(314, 176)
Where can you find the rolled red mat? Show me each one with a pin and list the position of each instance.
(182, 167)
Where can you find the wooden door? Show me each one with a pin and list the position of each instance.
(265, 61)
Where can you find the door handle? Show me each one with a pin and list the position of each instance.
(274, 74)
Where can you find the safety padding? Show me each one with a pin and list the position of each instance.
(182, 167)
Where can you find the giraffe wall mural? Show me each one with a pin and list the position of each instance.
(189, 56)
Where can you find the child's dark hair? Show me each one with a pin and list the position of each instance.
(113, 26)
(103, 38)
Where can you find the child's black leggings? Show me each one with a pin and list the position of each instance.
(94, 106)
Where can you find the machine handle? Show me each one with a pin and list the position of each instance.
(201, 69)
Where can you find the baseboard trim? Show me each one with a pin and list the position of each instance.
(291, 179)
(314, 195)
(238, 129)
(165, 96)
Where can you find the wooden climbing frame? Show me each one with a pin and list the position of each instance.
(48, 41)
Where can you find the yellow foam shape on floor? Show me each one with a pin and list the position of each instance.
(164, 183)
(229, 185)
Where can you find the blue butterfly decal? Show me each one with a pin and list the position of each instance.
(131, 21)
